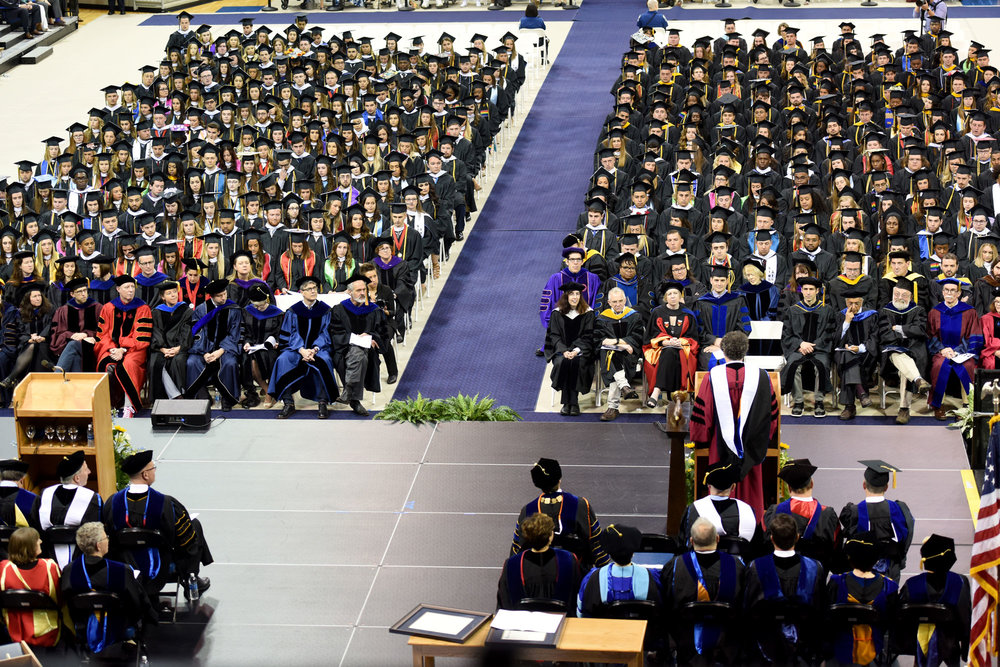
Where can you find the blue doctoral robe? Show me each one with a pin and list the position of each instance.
(551, 293)
(315, 380)
(216, 327)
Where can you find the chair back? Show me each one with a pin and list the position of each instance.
(573, 544)
(734, 545)
(641, 610)
(26, 600)
(659, 543)
(853, 613)
(706, 613)
(61, 535)
(94, 601)
(784, 611)
(913, 614)
(138, 538)
(543, 604)
(5, 533)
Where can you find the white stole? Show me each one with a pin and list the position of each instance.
(723, 406)
(748, 522)
(74, 516)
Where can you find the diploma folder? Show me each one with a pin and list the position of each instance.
(526, 628)
(444, 623)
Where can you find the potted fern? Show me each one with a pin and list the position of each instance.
(465, 408)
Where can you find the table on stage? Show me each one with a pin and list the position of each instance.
(582, 640)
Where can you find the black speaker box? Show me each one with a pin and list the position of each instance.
(170, 413)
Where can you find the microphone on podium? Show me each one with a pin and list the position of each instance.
(52, 367)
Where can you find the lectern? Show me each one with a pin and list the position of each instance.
(52, 413)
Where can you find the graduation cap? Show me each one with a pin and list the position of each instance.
(797, 473)
(937, 553)
(13, 465)
(76, 283)
(722, 475)
(445, 37)
(810, 281)
(134, 464)
(877, 472)
(71, 464)
(862, 550)
(301, 282)
(216, 287)
(621, 542)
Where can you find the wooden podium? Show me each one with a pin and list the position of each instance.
(47, 403)
(769, 466)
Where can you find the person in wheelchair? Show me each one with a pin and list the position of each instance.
(861, 644)
(938, 584)
(539, 571)
(25, 569)
(785, 576)
(574, 517)
(182, 548)
(91, 571)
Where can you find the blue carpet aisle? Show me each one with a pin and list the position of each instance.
(483, 331)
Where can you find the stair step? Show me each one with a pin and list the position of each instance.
(36, 55)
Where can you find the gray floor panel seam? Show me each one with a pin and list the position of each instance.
(388, 544)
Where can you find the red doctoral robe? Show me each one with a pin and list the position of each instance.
(740, 426)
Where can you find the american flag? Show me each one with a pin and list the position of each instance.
(985, 559)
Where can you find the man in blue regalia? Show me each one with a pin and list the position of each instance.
(305, 364)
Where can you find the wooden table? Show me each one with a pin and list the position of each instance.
(583, 640)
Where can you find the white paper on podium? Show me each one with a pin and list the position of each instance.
(527, 621)
(448, 624)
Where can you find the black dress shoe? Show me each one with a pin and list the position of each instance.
(539, 353)
(399, 338)
(122, 12)
(460, 236)
(574, 410)
(358, 409)
(252, 400)
(286, 411)
(8, 382)
(392, 379)
(565, 412)
(227, 406)
(322, 411)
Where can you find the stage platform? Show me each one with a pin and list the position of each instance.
(325, 533)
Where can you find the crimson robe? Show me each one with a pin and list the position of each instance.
(759, 430)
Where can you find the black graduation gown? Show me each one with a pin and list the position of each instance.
(60, 506)
(822, 540)
(880, 520)
(410, 249)
(912, 341)
(951, 589)
(182, 550)
(136, 604)
(260, 328)
(567, 334)
(768, 638)
(813, 324)
(395, 274)
(856, 368)
(584, 526)
(170, 329)
(629, 327)
(537, 575)
(678, 588)
(239, 290)
(730, 515)
(15, 505)
(39, 325)
(348, 318)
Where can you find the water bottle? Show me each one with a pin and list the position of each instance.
(193, 587)
(90, 435)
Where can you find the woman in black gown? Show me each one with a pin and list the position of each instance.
(569, 346)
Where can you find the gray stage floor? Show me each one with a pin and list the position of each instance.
(325, 533)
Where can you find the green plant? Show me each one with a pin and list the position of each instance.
(965, 416)
(123, 449)
(421, 410)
